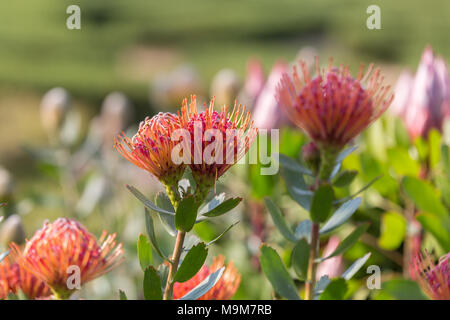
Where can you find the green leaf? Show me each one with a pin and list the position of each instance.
(147, 202)
(335, 290)
(400, 289)
(345, 153)
(344, 178)
(303, 230)
(423, 195)
(445, 155)
(279, 220)
(341, 215)
(300, 258)
(434, 142)
(3, 255)
(393, 230)
(277, 274)
(224, 207)
(360, 190)
(293, 165)
(144, 252)
(192, 263)
(322, 203)
(168, 221)
(151, 234)
(122, 295)
(402, 163)
(439, 227)
(204, 286)
(321, 285)
(297, 187)
(348, 242)
(152, 284)
(220, 236)
(354, 268)
(186, 214)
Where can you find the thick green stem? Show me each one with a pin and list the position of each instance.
(175, 260)
(312, 264)
(327, 163)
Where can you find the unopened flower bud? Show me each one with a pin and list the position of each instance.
(225, 87)
(311, 156)
(54, 107)
(11, 230)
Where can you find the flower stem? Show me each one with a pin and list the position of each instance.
(312, 264)
(168, 292)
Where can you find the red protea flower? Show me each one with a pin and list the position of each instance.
(66, 243)
(14, 277)
(151, 148)
(333, 107)
(434, 279)
(218, 139)
(224, 289)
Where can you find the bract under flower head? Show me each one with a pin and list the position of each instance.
(334, 107)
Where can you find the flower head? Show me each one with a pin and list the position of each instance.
(424, 99)
(434, 279)
(218, 139)
(151, 148)
(14, 277)
(66, 243)
(224, 289)
(333, 107)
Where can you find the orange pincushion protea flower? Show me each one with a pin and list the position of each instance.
(151, 148)
(224, 289)
(434, 279)
(333, 107)
(14, 277)
(211, 157)
(66, 243)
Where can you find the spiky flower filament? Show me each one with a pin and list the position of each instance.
(235, 130)
(66, 243)
(151, 148)
(333, 107)
(434, 278)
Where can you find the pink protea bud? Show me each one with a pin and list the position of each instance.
(235, 133)
(225, 86)
(334, 107)
(255, 80)
(311, 156)
(151, 148)
(433, 278)
(66, 243)
(18, 278)
(426, 104)
(267, 115)
(224, 289)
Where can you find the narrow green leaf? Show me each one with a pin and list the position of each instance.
(277, 274)
(344, 178)
(224, 207)
(360, 190)
(321, 285)
(168, 221)
(322, 203)
(147, 202)
(438, 226)
(221, 235)
(151, 234)
(144, 252)
(354, 268)
(303, 230)
(300, 257)
(204, 286)
(186, 214)
(279, 220)
(152, 284)
(335, 290)
(192, 263)
(393, 230)
(348, 242)
(214, 202)
(3, 255)
(122, 295)
(341, 215)
(293, 165)
(297, 187)
(423, 195)
(401, 289)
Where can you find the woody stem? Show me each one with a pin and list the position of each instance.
(173, 267)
